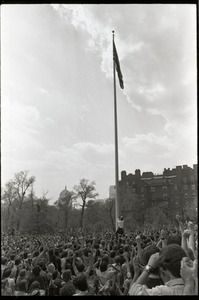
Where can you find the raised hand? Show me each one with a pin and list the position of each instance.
(186, 233)
(138, 239)
(154, 260)
(178, 218)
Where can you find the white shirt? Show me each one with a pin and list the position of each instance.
(120, 223)
(173, 287)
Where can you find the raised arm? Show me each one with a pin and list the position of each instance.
(184, 240)
(139, 251)
(187, 273)
(191, 241)
(74, 265)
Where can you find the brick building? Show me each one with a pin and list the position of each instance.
(171, 190)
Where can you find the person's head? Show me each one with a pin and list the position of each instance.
(25, 255)
(80, 282)
(170, 261)
(22, 273)
(35, 285)
(67, 290)
(103, 266)
(105, 258)
(117, 259)
(51, 268)
(147, 252)
(6, 273)
(36, 270)
(51, 251)
(57, 252)
(12, 256)
(4, 260)
(55, 274)
(66, 275)
(126, 248)
(112, 254)
(64, 254)
(42, 265)
(23, 285)
(103, 242)
(174, 239)
(53, 290)
(80, 267)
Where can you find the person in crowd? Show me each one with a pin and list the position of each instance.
(81, 284)
(120, 226)
(22, 288)
(68, 288)
(188, 272)
(168, 260)
(36, 276)
(7, 283)
(154, 278)
(35, 289)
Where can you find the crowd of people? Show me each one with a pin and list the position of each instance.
(76, 262)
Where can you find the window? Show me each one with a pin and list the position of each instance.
(192, 178)
(164, 196)
(142, 195)
(185, 187)
(164, 188)
(142, 189)
(193, 187)
(153, 189)
(186, 195)
(153, 196)
(133, 190)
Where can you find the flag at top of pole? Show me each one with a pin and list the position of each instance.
(117, 65)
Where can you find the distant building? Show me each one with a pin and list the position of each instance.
(112, 191)
(169, 190)
(64, 195)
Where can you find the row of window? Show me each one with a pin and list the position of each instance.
(164, 188)
(165, 196)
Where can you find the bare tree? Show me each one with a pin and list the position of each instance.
(22, 184)
(84, 191)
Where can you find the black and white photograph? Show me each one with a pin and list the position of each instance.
(99, 172)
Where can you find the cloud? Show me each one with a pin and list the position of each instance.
(146, 143)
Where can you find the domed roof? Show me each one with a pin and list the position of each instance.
(65, 193)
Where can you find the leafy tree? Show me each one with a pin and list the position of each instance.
(130, 207)
(8, 197)
(110, 206)
(84, 191)
(155, 217)
(190, 209)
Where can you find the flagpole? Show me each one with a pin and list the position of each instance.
(116, 145)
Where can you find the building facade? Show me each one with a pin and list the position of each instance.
(172, 190)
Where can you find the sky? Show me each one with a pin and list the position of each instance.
(57, 92)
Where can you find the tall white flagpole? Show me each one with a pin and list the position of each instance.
(116, 145)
